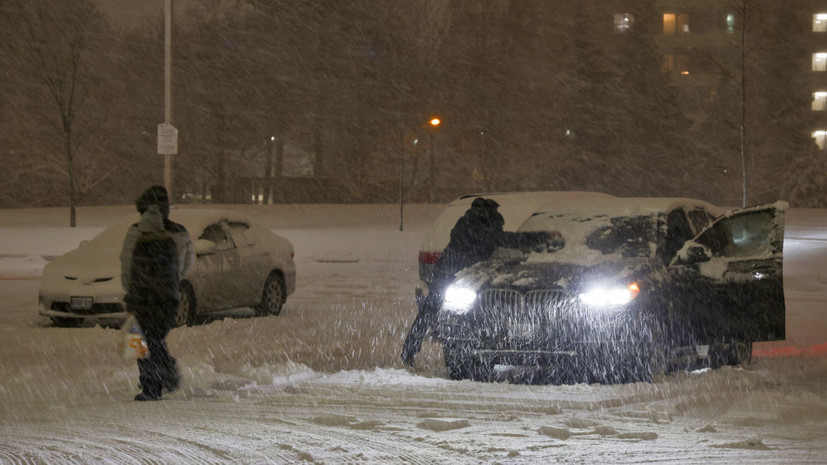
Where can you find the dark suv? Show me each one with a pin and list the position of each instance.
(623, 289)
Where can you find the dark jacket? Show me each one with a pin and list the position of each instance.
(477, 234)
(156, 254)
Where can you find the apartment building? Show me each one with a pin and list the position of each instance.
(700, 41)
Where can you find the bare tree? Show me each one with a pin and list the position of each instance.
(56, 38)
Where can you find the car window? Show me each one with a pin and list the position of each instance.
(740, 236)
(216, 234)
(678, 231)
(700, 219)
(241, 233)
(629, 236)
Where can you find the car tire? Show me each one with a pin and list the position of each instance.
(733, 353)
(273, 296)
(186, 306)
(67, 322)
(655, 355)
(481, 370)
(456, 362)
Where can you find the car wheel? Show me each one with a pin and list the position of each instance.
(456, 362)
(186, 305)
(273, 295)
(67, 322)
(654, 358)
(733, 353)
(481, 370)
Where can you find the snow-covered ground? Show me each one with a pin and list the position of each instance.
(322, 382)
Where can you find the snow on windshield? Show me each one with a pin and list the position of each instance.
(588, 240)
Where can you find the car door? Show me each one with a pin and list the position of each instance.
(219, 269)
(254, 263)
(728, 281)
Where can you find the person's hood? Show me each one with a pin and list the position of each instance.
(152, 220)
(154, 195)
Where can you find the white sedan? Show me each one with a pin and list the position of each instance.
(238, 265)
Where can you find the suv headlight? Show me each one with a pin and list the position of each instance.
(458, 299)
(610, 296)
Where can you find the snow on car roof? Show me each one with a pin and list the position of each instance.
(515, 207)
(194, 219)
(627, 206)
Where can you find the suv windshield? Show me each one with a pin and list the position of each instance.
(629, 236)
(595, 238)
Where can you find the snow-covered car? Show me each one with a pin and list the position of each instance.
(623, 290)
(238, 265)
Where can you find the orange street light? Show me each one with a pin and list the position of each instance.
(435, 122)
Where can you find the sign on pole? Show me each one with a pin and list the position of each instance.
(167, 139)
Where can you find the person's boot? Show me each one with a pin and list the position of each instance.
(142, 397)
(171, 383)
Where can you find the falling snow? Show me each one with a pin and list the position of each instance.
(323, 383)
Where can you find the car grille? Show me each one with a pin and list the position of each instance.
(518, 318)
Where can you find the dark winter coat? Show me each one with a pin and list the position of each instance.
(157, 253)
(477, 234)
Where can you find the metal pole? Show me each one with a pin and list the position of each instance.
(168, 89)
(401, 177)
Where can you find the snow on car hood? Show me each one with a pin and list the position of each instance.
(513, 269)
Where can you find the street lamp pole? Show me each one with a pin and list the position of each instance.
(168, 89)
(401, 178)
(434, 122)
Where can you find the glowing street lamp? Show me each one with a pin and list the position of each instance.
(434, 122)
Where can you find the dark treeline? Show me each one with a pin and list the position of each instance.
(326, 101)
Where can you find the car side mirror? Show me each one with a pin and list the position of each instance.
(698, 254)
(692, 253)
(204, 247)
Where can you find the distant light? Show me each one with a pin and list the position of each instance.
(685, 73)
(435, 122)
(821, 16)
(272, 138)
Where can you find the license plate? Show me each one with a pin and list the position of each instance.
(81, 302)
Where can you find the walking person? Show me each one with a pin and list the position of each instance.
(156, 254)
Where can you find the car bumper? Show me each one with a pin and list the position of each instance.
(104, 302)
(510, 344)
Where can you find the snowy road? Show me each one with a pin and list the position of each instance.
(321, 383)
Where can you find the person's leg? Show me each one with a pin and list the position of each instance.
(151, 370)
(424, 320)
(170, 377)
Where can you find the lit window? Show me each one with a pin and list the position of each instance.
(819, 101)
(669, 23)
(673, 23)
(820, 61)
(820, 22)
(821, 139)
(624, 22)
(730, 23)
(676, 64)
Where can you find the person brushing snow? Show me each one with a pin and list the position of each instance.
(475, 236)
